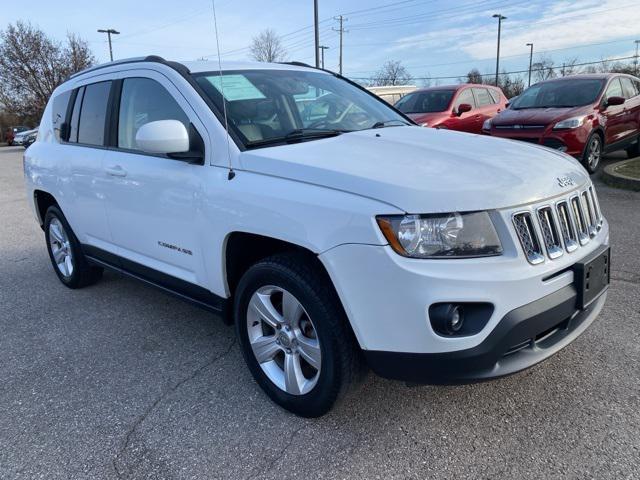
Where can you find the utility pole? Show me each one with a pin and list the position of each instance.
(316, 32)
(110, 32)
(322, 49)
(341, 29)
(635, 61)
(500, 18)
(530, 61)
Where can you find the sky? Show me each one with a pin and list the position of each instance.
(432, 38)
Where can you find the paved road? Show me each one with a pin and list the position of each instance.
(121, 381)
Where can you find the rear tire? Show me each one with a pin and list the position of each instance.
(634, 150)
(286, 311)
(65, 252)
(592, 155)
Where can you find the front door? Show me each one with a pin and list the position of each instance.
(614, 114)
(467, 121)
(153, 204)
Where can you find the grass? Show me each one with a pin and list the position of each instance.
(630, 169)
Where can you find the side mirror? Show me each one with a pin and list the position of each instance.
(506, 105)
(463, 108)
(614, 101)
(163, 136)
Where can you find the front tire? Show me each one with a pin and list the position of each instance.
(65, 252)
(592, 153)
(294, 334)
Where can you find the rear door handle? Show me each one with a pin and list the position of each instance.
(116, 171)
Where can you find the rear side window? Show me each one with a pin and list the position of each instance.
(59, 111)
(494, 95)
(142, 101)
(93, 113)
(466, 96)
(75, 116)
(483, 97)
(628, 87)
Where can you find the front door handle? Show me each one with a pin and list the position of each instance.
(116, 171)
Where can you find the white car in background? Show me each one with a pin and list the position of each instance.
(22, 138)
(343, 238)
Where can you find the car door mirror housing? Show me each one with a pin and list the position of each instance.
(163, 137)
(463, 108)
(614, 101)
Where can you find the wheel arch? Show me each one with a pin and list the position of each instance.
(42, 201)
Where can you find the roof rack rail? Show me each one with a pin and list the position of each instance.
(149, 58)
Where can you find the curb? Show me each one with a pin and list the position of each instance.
(617, 180)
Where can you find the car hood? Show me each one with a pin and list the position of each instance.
(423, 170)
(536, 116)
(432, 118)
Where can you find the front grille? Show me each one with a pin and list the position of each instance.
(567, 228)
(564, 227)
(520, 127)
(550, 235)
(528, 237)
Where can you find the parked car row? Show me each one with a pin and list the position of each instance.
(11, 132)
(25, 138)
(582, 115)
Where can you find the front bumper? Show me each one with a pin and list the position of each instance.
(571, 142)
(524, 337)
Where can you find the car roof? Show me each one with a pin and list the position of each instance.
(455, 87)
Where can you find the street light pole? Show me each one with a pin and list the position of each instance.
(110, 32)
(316, 32)
(500, 18)
(635, 61)
(322, 49)
(530, 61)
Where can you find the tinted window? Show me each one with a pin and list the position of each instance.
(483, 97)
(614, 89)
(628, 87)
(142, 101)
(75, 116)
(466, 96)
(425, 102)
(559, 94)
(93, 113)
(59, 111)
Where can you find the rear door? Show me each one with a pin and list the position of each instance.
(631, 108)
(468, 121)
(154, 202)
(83, 150)
(487, 106)
(614, 114)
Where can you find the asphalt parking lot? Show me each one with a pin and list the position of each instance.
(121, 381)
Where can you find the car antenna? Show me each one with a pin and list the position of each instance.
(232, 174)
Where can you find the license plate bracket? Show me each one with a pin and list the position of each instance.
(592, 276)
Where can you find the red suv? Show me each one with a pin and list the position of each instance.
(458, 107)
(582, 115)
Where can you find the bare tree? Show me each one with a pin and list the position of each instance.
(32, 65)
(543, 69)
(267, 47)
(392, 73)
(473, 76)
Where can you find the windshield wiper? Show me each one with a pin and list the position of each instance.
(296, 136)
(386, 123)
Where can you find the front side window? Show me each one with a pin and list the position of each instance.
(144, 100)
(93, 113)
(466, 96)
(614, 89)
(628, 87)
(429, 101)
(269, 107)
(566, 93)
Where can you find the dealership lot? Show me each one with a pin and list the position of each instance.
(121, 381)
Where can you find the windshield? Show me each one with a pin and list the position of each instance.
(425, 102)
(268, 107)
(560, 94)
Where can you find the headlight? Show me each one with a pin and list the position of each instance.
(441, 235)
(573, 122)
(487, 124)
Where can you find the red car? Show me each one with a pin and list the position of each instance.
(582, 115)
(11, 132)
(462, 107)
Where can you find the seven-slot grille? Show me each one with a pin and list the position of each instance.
(554, 229)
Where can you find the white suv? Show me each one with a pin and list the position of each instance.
(329, 229)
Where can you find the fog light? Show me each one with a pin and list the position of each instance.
(447, 318)
(456, 318)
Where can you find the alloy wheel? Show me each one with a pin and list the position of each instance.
(284, 340)
(595, 150)
(60, 248)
